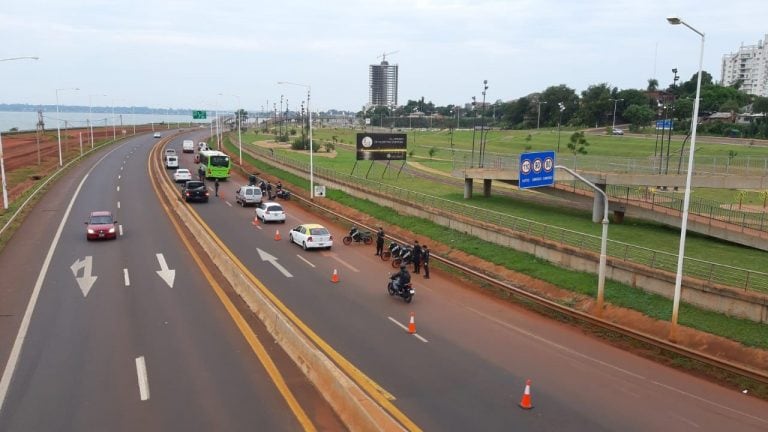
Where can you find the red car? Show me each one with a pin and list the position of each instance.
(101, 225)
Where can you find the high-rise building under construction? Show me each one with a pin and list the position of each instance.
(382, 82)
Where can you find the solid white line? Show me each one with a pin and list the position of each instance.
(13, 357)
(398, 323)
(228, 203)
(125, 276)
(118, 204)
(344, 263)
(420, 338)
(304, 259)
(141, 372)
(121, 229)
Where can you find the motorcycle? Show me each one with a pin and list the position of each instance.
(357, 236)
(405, 292)
(283, 194)
(403, 257)
(392, 250)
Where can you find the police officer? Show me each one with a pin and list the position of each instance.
(416, 256)
(379, 241)
(425, 260)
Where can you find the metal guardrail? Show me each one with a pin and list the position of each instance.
(748, 280)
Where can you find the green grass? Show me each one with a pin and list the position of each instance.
(747, 332)
(635, 232)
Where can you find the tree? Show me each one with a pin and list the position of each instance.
(578, 143)
(553, 96)
(595, 104)
(653, 84)
(638, 116)
(514, 113)
(760, 105)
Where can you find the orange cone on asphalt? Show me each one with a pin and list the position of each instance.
(525, 402)
(335, 276)
(277, 235)
(412, 324)
(255, 221)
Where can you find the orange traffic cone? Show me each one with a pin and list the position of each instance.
(335, 276)
(525, 402)
(277, 234)
(412, 324)
(255, 221)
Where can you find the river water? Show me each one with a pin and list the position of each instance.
(28, 120)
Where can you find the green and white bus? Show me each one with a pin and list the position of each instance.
(216, 164)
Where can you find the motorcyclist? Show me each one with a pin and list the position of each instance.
(401, 278)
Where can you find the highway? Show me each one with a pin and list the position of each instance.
(135, 349)
(465, 369)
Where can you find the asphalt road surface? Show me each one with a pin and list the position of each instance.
(464, 370)
(136, 349)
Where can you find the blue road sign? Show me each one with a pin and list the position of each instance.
(664, 124)
(537, 169)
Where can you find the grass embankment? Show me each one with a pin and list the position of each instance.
(747, 332)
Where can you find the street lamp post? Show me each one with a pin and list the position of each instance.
(114, 134)
(311, 150)
(58, 123)
(615, 102)
(538, 116)
(90, 115)
(2, 162)
(687, 195)
(559, 121)
(239, 134)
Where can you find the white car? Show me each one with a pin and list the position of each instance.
(157, 135)
(182, 175)
(311, 236)
(170, 152)
(617, 131)
(270, 212)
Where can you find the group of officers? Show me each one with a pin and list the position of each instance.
(419, 257)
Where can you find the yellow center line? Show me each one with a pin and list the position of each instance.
(237, 317)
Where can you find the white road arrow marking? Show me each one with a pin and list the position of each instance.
(273, 260)
(86, 281)
(166, 274)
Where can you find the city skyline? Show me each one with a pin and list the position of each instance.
(189, 55)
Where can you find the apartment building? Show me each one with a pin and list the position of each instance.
(750, 65)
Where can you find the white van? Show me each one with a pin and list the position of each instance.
(188, 146)
(171, 161)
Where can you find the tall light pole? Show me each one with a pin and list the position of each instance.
(687, 196)
(90, 114)
(538, 116)
(239, 135)
(559, 121)
(615, 102)
(114, 133)
(2, 162)
(311, 149)
(58, 124)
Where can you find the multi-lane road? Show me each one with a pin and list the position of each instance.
(144, 350)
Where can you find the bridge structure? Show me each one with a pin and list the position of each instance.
(661, 173)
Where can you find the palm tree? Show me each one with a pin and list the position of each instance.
(653, 84)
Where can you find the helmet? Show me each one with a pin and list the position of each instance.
(402, 266)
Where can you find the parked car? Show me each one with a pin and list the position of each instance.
(100, 225)
(270, 212)
(194, 190)
(617, 131)
(311, 236)
(247, 195)
(157, 135)
(182, 175)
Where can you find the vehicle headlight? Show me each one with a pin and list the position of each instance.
(90, 231)
(112, 230)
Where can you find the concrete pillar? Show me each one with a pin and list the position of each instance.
(597, 205)
(467, 188)
(487, 188)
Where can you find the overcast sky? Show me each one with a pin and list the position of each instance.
(182, 54)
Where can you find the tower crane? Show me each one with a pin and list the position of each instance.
(383, 56)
